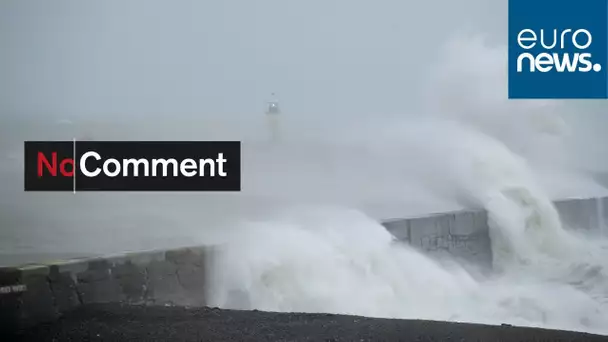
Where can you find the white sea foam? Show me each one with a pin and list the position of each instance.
(475, 148)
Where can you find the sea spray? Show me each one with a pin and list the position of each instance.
(475, 150)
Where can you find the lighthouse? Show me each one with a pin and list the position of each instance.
(272, 118)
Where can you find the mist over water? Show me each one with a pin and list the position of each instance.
(361, 141)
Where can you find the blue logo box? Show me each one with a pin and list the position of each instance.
(558, 49)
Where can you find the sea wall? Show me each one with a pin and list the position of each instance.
(462, 234)
(35, 293)
(465, 235)
(31, 294)
(584, 213)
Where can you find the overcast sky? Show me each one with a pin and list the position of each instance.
(219, 57)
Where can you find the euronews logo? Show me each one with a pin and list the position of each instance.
(555, 42)
(558, 51)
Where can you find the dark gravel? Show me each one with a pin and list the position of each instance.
(114, 322)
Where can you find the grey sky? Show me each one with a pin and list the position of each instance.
(189, 57)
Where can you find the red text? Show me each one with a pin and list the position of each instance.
(51, 167)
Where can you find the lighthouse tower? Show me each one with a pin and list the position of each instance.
(272, 118)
